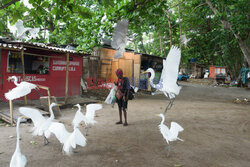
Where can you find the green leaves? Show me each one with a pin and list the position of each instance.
(79, 22)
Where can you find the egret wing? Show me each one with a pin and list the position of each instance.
(165, 132)
(175, 129)
(17, 92)
(172, 68)
(79, 117)
(59, 130)
(33, 114)
(27, 85)
(79, 138)
(94, 107)
(163, 72)
(119, 38)
(90, 110)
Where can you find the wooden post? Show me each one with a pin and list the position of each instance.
(49, 97)
(48, 90)
(22, 58)
(11, 112)
(67, 79)
(148, 82)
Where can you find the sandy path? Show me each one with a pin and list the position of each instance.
(216, 134)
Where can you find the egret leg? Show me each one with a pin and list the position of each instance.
(86, 129)
(46, 141)
(168, 149)
(170, 104)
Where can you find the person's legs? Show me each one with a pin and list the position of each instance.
(125, 117)
(124, 106)
(120, 111)
(120, 114)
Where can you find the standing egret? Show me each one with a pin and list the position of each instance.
(69, 140)
(169, 76)
(41, 124)
(88, 118)
(18, 159)
(170, 134)
(21, 89)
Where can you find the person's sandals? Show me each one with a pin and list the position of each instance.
(120, 122)
(125, 124)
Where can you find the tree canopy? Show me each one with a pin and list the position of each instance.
(219, 30)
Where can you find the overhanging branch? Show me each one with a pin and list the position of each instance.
(8, 4)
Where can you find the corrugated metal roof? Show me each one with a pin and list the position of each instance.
(18, 45)
(9, 46)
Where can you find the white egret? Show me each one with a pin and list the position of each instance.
(184, 40)
(18, 159)
(69, 140)
(41, 124)
(169, 76)
(21, 89)
(170, 134)
(20, 32)
(119, 38)
(88, 118)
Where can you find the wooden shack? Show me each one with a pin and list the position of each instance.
(214, 70)
(130, 63)
(57, 68)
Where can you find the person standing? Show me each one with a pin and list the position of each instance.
(123, 87)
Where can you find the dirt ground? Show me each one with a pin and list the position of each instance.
(216, 134)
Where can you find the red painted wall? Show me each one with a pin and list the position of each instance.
(55, 80)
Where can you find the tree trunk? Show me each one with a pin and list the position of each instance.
(179, 13)
(170, 29)
(244, 48)
(161, 46)
(142, 45)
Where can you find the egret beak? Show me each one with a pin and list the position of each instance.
(157, 115)
(9, 78)
(144, 72)
(59, 105)
(24, 118)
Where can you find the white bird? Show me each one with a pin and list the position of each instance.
(88, 118)
(20, 32)
(18, 159)
(119, 38)
(22, 89)
(69, 140)
(184, 39)
(168, 81)
(170, 134)
(41, 124)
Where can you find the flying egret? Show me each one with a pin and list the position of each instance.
(184, 40)
(22, 89)
(119, 38)
(20, 32)
(41, 124)
(18, 159)
(169, 76)
(170, 134)
(69, 140)
(88, 118)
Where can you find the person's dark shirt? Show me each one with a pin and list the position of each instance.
(123, 84)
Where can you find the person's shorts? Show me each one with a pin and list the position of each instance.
(122, 103)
